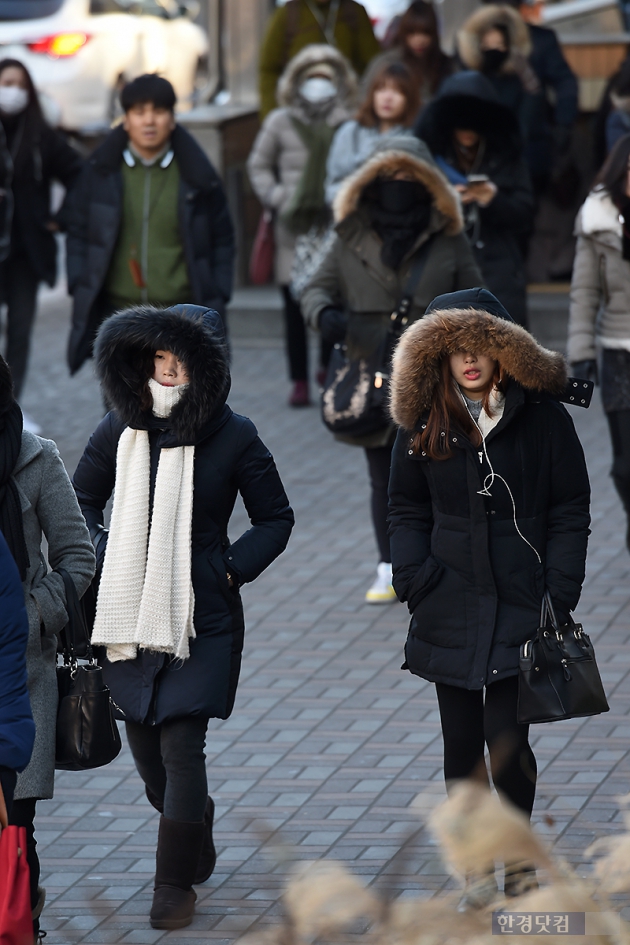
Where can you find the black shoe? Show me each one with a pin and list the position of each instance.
(172, 908)
(178, 852)
(208, 856)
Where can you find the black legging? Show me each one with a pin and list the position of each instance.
(295, 337)
(619, 424)
(469, 723)
(170, 760)
(18, 290)
(379, 459)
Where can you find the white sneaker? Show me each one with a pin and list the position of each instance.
(30, 425)
(382, 591)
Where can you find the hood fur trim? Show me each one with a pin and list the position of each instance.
(599, 215)
(469, 37)
(416, 363)
(313, 55)
(124, 351)
(389, 163)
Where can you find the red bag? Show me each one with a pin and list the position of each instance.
(16, 923)
(263, 251)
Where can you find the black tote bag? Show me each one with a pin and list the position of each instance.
(558, 674)
(87, 735)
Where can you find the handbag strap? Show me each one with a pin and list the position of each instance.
(547, 612)
(75, 630)
(400, 315)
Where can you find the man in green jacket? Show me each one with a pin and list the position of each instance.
(342, 23)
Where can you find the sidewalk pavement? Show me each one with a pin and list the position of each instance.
(331, 749)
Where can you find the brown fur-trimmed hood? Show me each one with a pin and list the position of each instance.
(416, 363)
(409, 155)
(469, 37)
(316, 55)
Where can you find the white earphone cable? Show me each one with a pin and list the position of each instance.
(492, 476)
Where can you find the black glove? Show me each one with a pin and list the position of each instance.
(585, 370)
(333, 324)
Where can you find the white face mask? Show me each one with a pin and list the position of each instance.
(13, 99)
(318, 90)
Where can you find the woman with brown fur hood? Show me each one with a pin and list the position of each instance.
(489, 506)
(395, 211)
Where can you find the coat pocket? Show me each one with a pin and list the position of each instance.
(427, 578)
(439, 614)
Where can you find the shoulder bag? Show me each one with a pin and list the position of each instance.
(16, 922)
(355, 395)
(558, 675)
(263, 251)
(87, 735)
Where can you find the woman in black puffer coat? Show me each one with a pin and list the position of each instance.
(169, 614)
(489, 505)
(476, 142)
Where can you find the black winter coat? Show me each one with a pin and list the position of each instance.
(93, 215)
(43, 156)
(229, 459)
(555, 75)
(505, 223)
(473, 585)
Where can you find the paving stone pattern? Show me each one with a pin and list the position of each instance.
(331, 751)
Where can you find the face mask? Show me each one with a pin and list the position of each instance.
(493, 59)
(13, 99)
(398, 196)
(318, 90)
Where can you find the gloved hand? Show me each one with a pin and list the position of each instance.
(585, 370)
(333, 324)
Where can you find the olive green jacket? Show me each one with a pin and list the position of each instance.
(290, 29)
(353, 277)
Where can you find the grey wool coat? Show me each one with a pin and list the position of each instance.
(49, 509)
(278, 156)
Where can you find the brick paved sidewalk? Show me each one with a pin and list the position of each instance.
(330, 743)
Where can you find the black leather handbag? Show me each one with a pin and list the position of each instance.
(355, 396)
(558, 675)
(87, 735)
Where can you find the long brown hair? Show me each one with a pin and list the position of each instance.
(420, 17)
(397, 74)
(448, 409)
(614, 172)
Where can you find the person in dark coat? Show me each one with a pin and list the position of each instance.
(489, 506)
(475, 140)
(393, 215)
(17, 729)
(32, 155)
(177, 457)
(148, 169)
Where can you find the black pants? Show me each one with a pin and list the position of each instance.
(171, 761)
(18, 291)
(379, 459)
(8, 777)
(619, 424)
(23, 815)
(469, 722)
(296, 339)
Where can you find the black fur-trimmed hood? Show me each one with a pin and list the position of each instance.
(123, 354)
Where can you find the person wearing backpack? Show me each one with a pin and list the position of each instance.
(398, 222)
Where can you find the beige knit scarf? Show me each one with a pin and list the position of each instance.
(146, 599)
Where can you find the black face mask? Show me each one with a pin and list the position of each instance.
(493, 59)
(399, 196)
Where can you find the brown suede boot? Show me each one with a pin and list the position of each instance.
(208, 856)
(177, 858)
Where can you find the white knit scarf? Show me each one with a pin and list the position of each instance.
(146, 598)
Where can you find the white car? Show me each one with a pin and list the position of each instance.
(81, 52)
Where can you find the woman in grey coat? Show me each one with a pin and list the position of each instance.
(286, 168)
(36, 501)
(600, 304)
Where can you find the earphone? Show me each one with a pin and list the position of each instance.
(492, 476)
